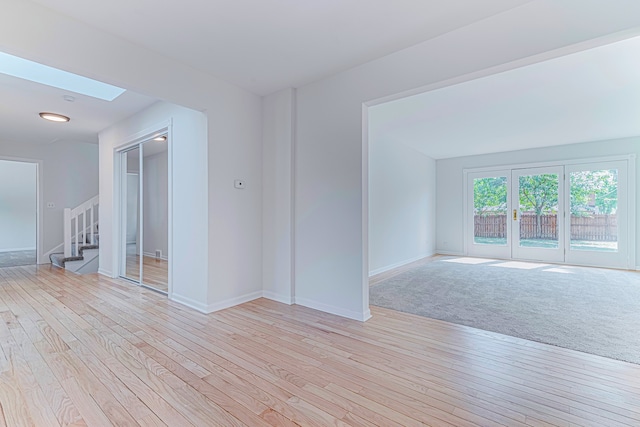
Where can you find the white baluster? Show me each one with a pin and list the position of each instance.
(67, 232)
(77, 237)
(84, 227)
(93, 241)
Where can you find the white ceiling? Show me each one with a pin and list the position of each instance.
(260, 45)
(22, 100)
(587, 96)
(265, 46)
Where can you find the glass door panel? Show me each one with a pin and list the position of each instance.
(488, 201)
(597, 214)
(130, 214)
(537, 214)
(155, 193)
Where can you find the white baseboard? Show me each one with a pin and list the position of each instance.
(364, 316)
(57, 249)
(204, 308)
(17, 249)
(285, 299)
(191, 303)
(234, 301)
(399, 264)
(451, 253)
(210, 308)
(106, 273)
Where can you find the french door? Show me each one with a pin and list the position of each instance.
(537, 224)
(574, 213)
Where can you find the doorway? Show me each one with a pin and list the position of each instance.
(18, 213)
(144, 217)
(574, 213)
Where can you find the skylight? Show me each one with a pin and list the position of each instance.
(29, 70)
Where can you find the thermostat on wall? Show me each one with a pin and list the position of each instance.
(238, 183)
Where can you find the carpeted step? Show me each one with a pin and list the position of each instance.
(59, 259)
(87, 247)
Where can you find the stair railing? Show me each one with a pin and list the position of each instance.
(80, 226)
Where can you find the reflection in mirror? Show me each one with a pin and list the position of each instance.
(131, 213)
(155, 213)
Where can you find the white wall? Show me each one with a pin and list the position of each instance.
(69, 177)
(330, 260)
(277, 195)
(450, 215)
(235, 215)
(402, 205)
(155, 192)
(232, 252)
(17, 206)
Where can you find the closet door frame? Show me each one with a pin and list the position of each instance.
(119, 227)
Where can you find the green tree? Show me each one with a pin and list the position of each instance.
(539, 194)
(594, 190)
(490, 195)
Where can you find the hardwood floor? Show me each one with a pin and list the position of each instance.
(155, 272)
(89, 350)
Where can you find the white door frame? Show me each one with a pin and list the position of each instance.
(631, 196)
(620, 258)
(165, 127)
(39, 203)
(482, 250)
(536, 253)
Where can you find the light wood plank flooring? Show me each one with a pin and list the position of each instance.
(155, 272)
(88, 350)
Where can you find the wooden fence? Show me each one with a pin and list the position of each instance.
(591, 228)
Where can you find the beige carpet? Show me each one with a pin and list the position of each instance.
(586, 309)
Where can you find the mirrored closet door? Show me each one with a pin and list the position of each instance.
(144, 214)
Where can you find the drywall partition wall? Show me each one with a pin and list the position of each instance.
(188, 138)
(17, 206)
(449, 213)
(402, 196)
(156, 204)
(233, 248)
(235, 215)
(330, 255)
(277, 182)
(69, 177)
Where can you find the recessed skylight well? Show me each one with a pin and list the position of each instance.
(43, 74)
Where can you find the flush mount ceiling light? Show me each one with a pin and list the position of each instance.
(53, 117)
(160, 138)
(43, 74)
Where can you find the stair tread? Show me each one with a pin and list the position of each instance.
(59, 259)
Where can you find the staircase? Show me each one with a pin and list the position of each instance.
(81, 239)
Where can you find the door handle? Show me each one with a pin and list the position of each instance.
(515, 214)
